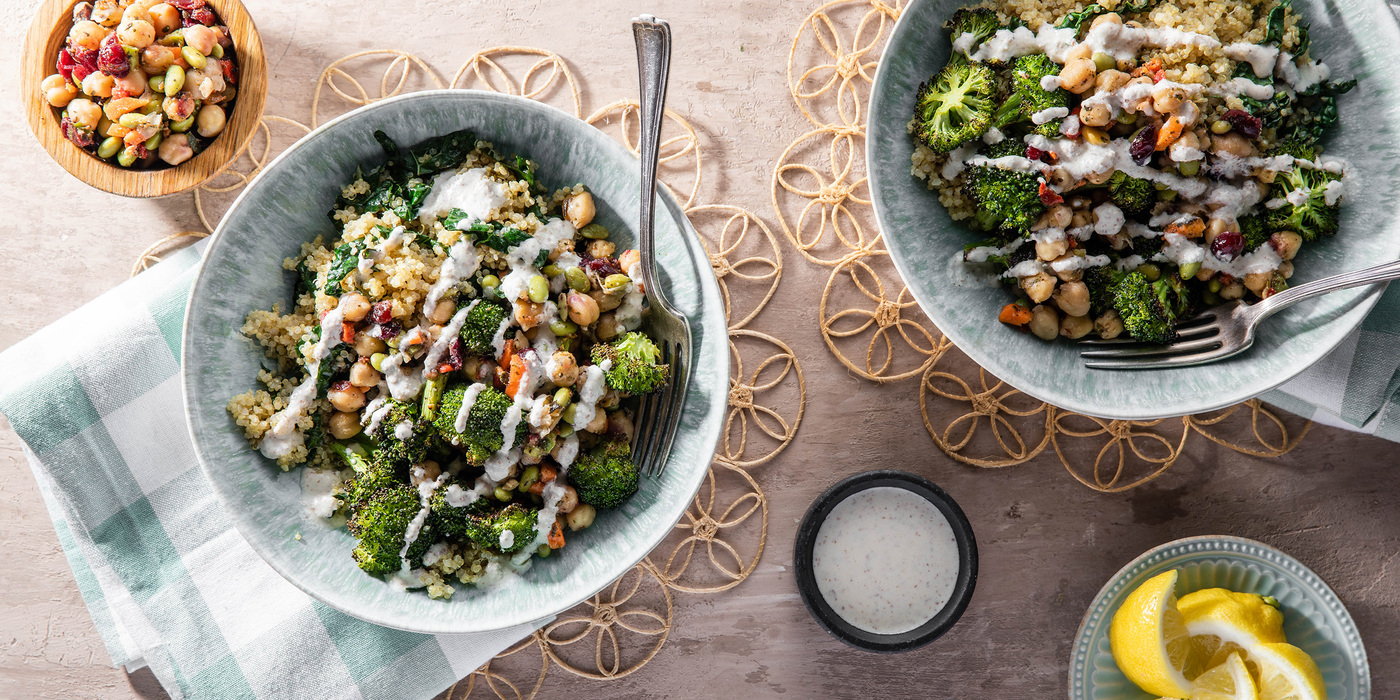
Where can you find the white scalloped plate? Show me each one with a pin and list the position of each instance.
(1314, 618)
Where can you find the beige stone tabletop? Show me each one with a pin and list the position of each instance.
(1047, 541)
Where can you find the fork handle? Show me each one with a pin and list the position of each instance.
(653, 38)
(1288, 297)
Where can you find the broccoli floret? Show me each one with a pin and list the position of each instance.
(452, 521)
(635, 367)
(605, 476)
(1254, 231)
(486, 528)
(954, 106)
(1028, 97)
(482, 436)
(1009, 146)
(480, 327)
(1133, 195)
(981, 23)
(380, 524)
(1151, 310)
(1313, 218)
(1147, 246)
(1008, 200)
(395, 451)
(1296, 147)
(1102, 282)
(368, 475)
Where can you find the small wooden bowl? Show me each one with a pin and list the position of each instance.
(45, 39)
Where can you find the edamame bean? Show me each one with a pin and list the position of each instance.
(156, 83)
(501, 494)
(131, 120)
(1219, 126)
(1127, 118)
(1190, 269)
(377, 361)
(109, 147)
(577, 279)
(193, 57)
(174, 80)
(490, 281)
(594, 231)
(183, 125)
(1214, 285)
(1103, 61)
(565, 430)
(1166, 195)
(615, 283)
(529, 477)
(543, 551)
(561, 327)
(1190, 168)
(154, 142)
(552, 270)
(1150, 271)
(127, 157)
(563, 396)
(539, 289)
(218, 51)
(570, 412)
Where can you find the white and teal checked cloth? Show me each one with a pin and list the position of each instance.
(169, 583)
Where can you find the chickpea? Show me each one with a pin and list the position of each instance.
(581, 517)
(87, 34)
(443, 312)
(563, 368)
(1286, 243)
(98, 84)
(354, 307)
(579, 210)
(344, 425)
(601, 249)
(1095, 114)
(1231, 144)
(345, 396)
(1039, 286)
(1078, 75)
(201, 39)
(210, 121)
(85, 113)
(628, 259)
(165, 18)
(139, 9)
(137, 33)
(1111, 80)
(131, 84)
(619, 425)
(156, 58)
(1045, 322)
(57, 91)
(1049, 250)
(1101, 176)
(1073, 298)
(569, 501)
(1061, 180)
(528, 314)
(179, 107)
(599, 424)
(1166, 100)
(1078, 51)
(1061, 216)
(175, 149)
(363, 375)
(1257, 281)
(427, 471)
(1106, 19)
(366, 345)
(1218, 225)
(1285, 269)
(1081, 218)
(583, 310)
(106, 13)
(1109, 325)
(1233, 290)
(1076, 327)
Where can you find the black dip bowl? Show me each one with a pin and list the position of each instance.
(845, 631)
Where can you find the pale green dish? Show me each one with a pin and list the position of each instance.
(1314, 619)
(242, 270)
(1357, 38)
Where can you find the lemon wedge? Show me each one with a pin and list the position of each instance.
(1227, 681)
(1223, 622)
(1287, 673)
(1150, 641)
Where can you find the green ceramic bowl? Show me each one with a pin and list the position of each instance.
(1314, 619)
(1355, 37)
(285, 206)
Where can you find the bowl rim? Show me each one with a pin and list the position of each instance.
(1214, 542)
(833, 623)
(242, 520)
(990, 361)
(222, 152)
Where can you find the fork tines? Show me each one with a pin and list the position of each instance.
(1198, 339)
(657, 416)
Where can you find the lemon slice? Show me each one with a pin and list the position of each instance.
(1287, 673)
(1223, 622)
(1227, 681)
(1150, 641)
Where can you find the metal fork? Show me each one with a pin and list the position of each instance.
(659, 413)
(1224, 330)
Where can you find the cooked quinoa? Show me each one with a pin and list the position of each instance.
(452, 376)
(1174, 145)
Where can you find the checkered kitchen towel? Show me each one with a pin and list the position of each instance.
(168, 581)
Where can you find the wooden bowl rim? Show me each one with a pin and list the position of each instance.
(43, 119)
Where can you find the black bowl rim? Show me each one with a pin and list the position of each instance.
(939, 624)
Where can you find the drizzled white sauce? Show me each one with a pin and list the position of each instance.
(404, 384)
(1108, 219)
(462, 262)
(552, 494)
(318, 488)
(468, 400)
(589, 392)
(992, 137)
(1123, 42)
(885, 560)
(1260, 57)
(404, 430)
(1048, 115)
(283, 437)
(498, 341)
(449, 331)
(406, 577)
(1244, 86)
(471, 191)
(1007, 44)
(957, 159)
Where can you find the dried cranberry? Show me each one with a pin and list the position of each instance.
(1247, 124)
(1228, 245)
(381, 311)
(1034, 153)
(199, 15)
(456, 353)
(1144, 144)
(140, 150)
(342, 385)
(230, 71)
(602, 267)
(81, 137)
(66, 64)
(385, 331)
(1049, 197)
(112, 58)
(186, 4)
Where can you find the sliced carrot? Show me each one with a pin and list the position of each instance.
(547, 474)
(1014, 315)
(507, 353)
(347, 332)
(556, 536)
(517, 372)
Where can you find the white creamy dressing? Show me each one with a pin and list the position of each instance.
(957, 158)
(590, 390)
(885, 560)
(1048, 115)
(1333, 192)
(404, 384)
(1300, 76)
(629, 312)
(1108, 219)
(1070, 125)
(404, 430)
(1123, 42)
(498, 465)
(1129, 263)
(406, 577)
(449, 331)
(1050, 83)
(468, 400)
(1078, 262)
(1025, 268)
(1131, 94)
(498, 341)
(993, 136)
(522, 257)
(318, 489)
(376, 409)
(1078, 159)
(980, 254)
(1018, 163)
(1260, 57)
(462, 262)
(471, 191)
(283, 436)
(1007, 44)
(552, 494)
(1244, 86)
(365, 265)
